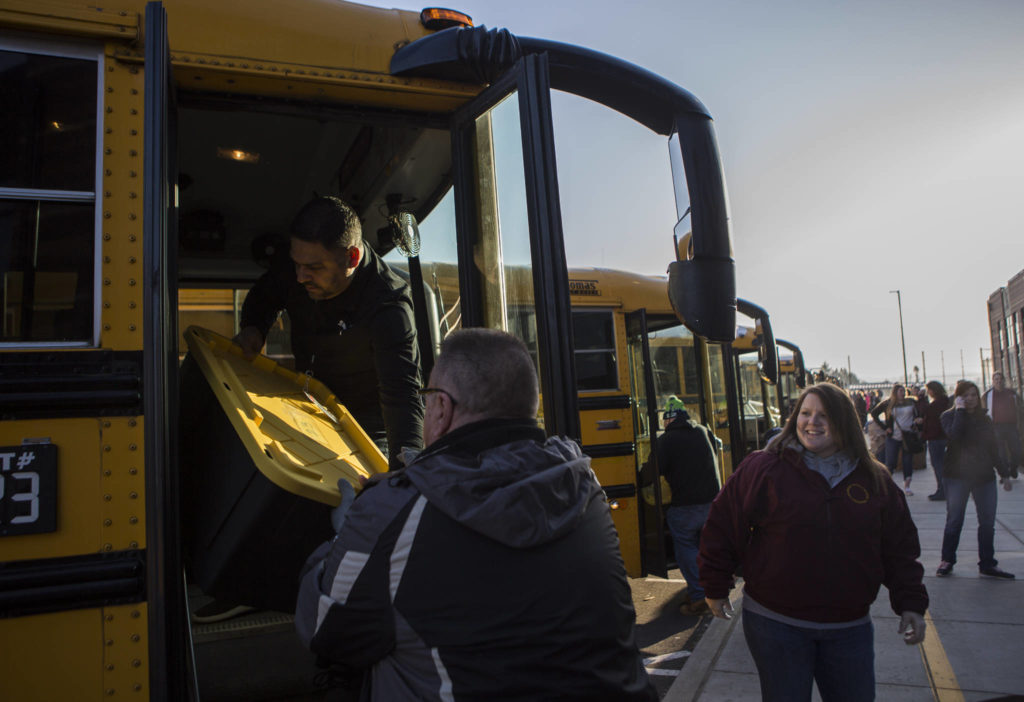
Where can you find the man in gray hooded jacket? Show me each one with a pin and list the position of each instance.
(488, 567)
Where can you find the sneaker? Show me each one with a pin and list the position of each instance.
(945, 568)
(994, 572)
(937, 497)
(908, 492)
(694, 607)
(219, 611)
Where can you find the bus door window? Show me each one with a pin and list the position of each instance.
(720, 402)
(772, 406)
(498, 251)
(438, 257)
(759, 401)
(674, 361)
(501, 252)
(646, 422)
(750, 397)
(602, 228)
(48, 175)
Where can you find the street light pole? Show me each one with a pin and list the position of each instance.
(899, 302)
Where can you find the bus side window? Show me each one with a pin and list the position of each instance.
(594, 334)
(48, 140)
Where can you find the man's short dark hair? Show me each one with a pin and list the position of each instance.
(490, 373)
(328, 221)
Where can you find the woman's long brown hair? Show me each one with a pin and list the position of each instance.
(962, 388)
(844, 424)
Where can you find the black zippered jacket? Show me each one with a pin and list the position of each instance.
(688, 461)
(361, 344)
(488, 569)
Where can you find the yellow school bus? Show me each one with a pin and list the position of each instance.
(149, 152)
(634, 361)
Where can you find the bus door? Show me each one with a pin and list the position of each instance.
(646, 426)
(512, 272)
(169, 641)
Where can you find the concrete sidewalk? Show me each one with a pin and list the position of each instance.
(974, 645)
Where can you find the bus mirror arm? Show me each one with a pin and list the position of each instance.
(703, 294)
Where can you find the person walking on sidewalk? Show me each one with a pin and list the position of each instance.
(971, 456)
(900, 418)
(934, 437)
(1004, 408)
(687, 458)
(817, 526)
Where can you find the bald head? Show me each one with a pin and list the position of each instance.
(490, 372)
(480, 374)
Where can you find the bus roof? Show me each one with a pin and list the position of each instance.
(327, 41)
(603, 287)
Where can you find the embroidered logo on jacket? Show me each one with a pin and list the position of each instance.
(858, 493)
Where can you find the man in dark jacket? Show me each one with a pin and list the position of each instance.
(489, 567)
(1004, 408)
(351, 323)
(689, 462)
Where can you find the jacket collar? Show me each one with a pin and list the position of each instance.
(480, 436)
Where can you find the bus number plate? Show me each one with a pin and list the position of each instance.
(28, 489)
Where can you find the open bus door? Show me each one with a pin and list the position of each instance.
(646, 425)
(169, 640)
(510, 226)
(792, 378)
(754, 390)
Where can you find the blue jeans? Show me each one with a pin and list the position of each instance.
(937, 454)
(985, 496)
(1008, 441)
(685, 523)
(789, 658)
(892, 450)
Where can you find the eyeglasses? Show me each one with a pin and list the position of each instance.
(428, 391)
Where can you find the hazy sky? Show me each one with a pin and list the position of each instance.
(867, 147)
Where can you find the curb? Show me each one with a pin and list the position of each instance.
(689, 685)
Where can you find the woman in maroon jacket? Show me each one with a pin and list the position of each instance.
(817, 526)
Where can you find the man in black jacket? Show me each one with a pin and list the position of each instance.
(687, 458)
(352, 323)
(488, 568)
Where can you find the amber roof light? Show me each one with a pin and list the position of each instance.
(443, 18)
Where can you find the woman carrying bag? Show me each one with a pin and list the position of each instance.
(901, 420)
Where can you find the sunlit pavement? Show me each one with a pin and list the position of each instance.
(974, 646)
(666, 637)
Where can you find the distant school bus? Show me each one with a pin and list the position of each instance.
(632, 358)
(151, 157)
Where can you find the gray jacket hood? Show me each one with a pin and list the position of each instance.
(523, 493)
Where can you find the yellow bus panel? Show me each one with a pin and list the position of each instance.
(607, 426)
(100, 486)
(627, 524)
(615, 470)
(85, 655)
